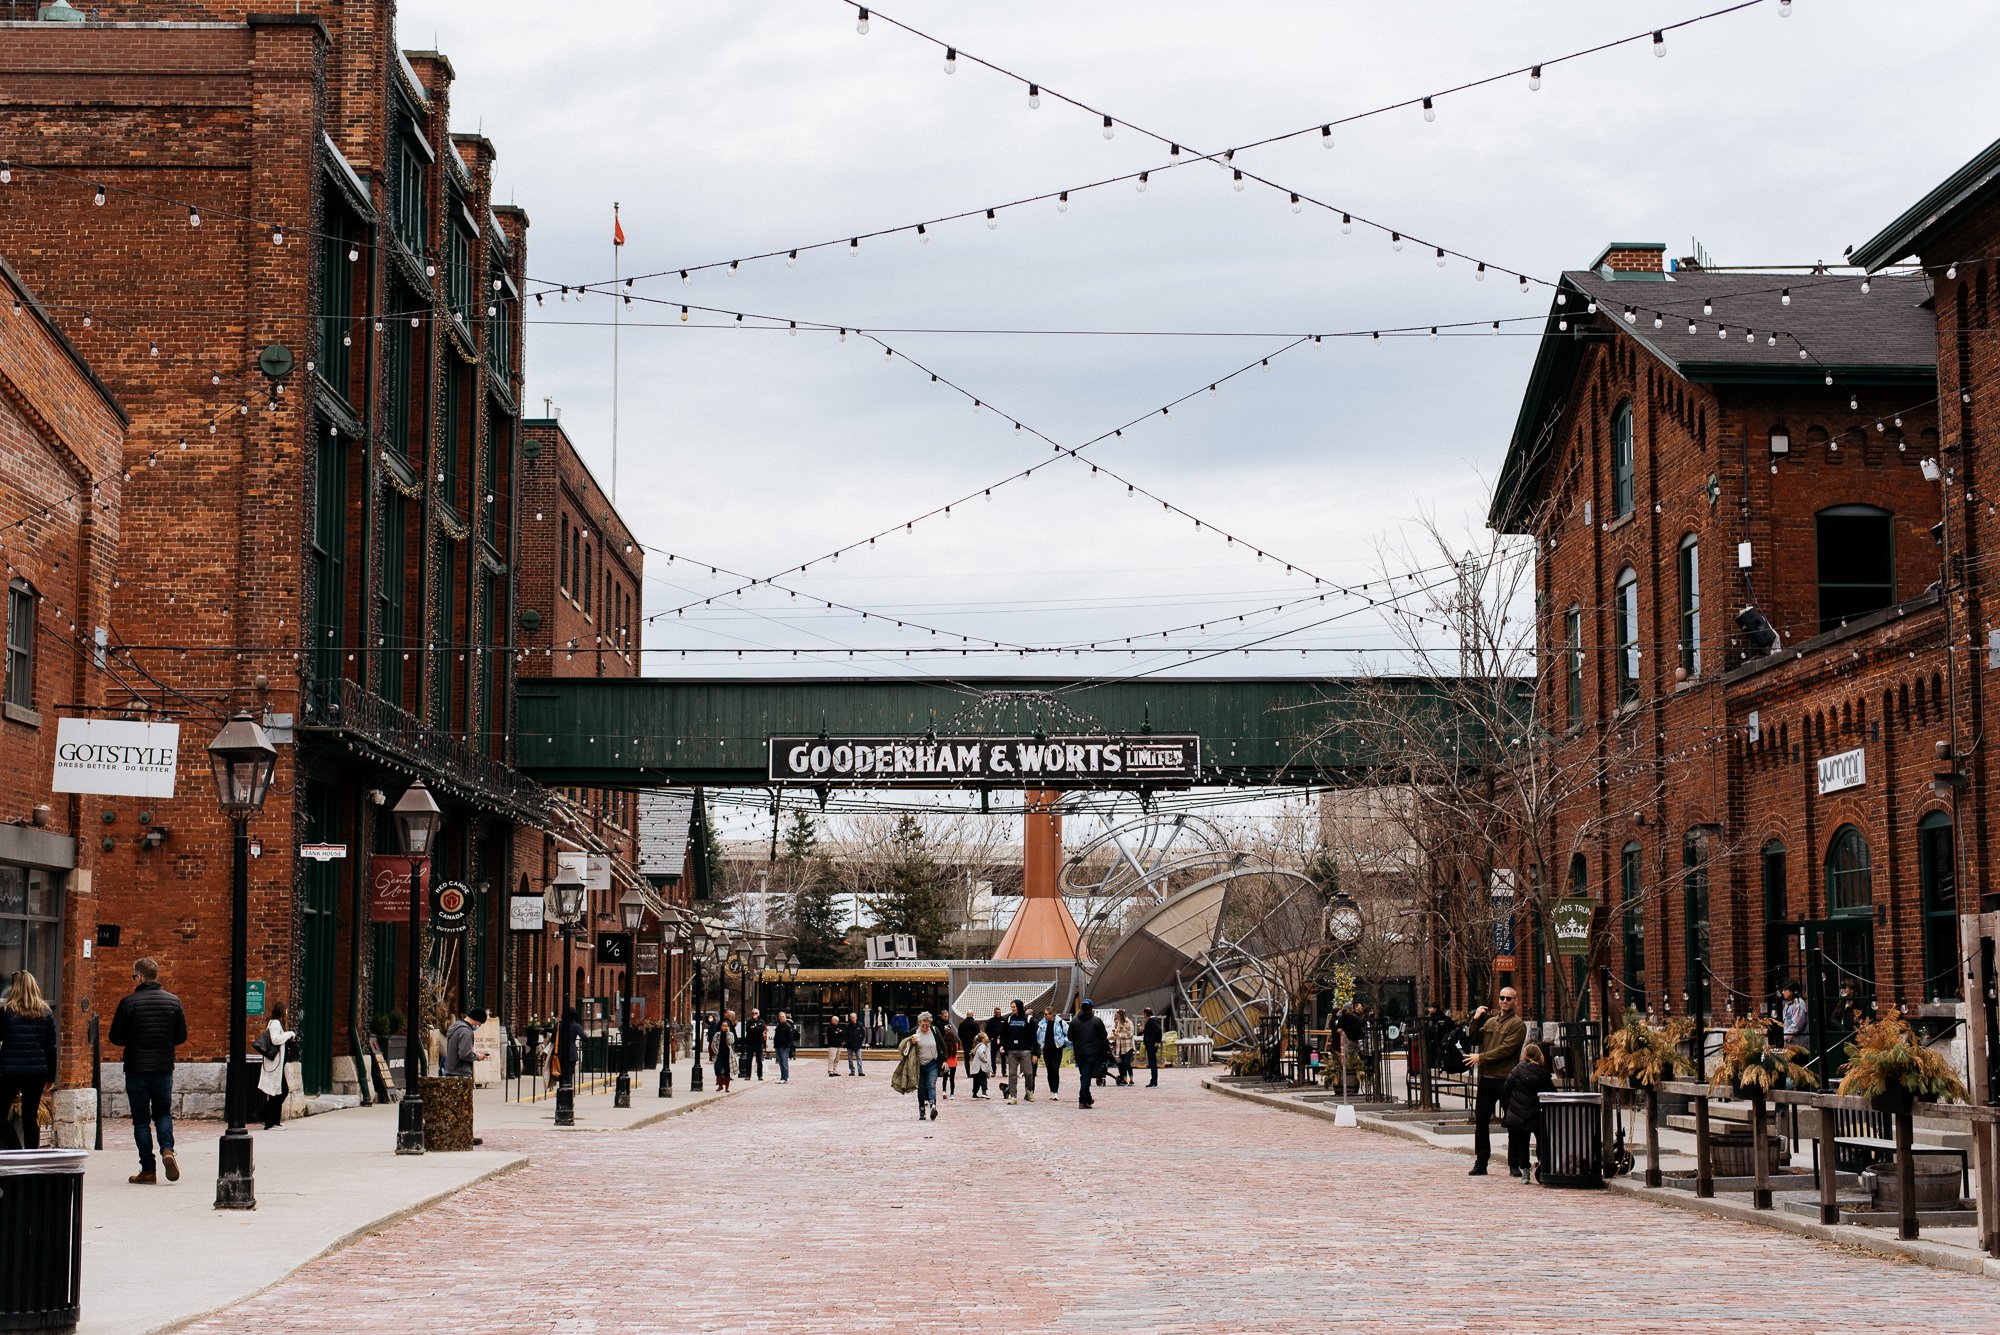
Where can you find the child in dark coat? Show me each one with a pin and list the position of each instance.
(1521, 1097)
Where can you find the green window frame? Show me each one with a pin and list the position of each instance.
(399, 364)
(1694, 906)
(391, 594)
(20, 644)
(1850, 877)
(1625, 612)
(1623, 475)
(412, 215)
(1689, 570)
(1573, 663)
(31, 926)
(1937, 875)
(1631, 871)
(337, 282)
(448, 640)
(1856, 562)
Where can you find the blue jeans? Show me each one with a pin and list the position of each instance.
(152, 1099)
(927, 1075)
(784, 1063)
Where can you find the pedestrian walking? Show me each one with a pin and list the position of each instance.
(979, 1065)
(948, 1061)
(1150, 1037)
(1052, 1036)
(753, 1045)
(784, 1042)
(569, 1047)
(1500, 1035)
(1092, 1046)
(274, 1045)
(27, 1058)
(855, 1033)
(1124, 1042)
(1525, 1085)
(149, 1024)
(921, 1055)
(1794, 1016)
(968, 1029)
(834, 1041)
(1017, 1045)
(718, 1050)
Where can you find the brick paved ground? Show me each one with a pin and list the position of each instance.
(825, 1207)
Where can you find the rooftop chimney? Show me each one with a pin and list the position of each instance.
(1632, 260)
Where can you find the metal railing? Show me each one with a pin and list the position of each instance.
(446, 759)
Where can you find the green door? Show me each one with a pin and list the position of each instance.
(1840, 986)
(314, 1021)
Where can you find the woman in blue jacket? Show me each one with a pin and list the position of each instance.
(27, 1054)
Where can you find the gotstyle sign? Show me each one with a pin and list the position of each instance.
(1035, 762)
(114, 758)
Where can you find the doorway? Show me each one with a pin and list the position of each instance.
(1839, 955)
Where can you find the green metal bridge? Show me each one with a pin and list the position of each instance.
(648, 732)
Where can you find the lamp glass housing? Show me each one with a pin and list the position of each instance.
(568, 890)
(417, 819)
(243, 761)
(632, 909)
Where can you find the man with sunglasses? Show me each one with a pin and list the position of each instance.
(1500, 1035)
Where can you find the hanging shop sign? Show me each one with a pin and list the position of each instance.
(1569, 923)
(323, 852)
(593, 869)
(614, 947)
(116, 758)
(451, 906)
(524, 913)
(1849, 769)
(648, 960)
(389, 877)
(1036, 762)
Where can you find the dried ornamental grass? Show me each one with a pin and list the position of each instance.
(1887, 1055)
(1644, 1053)
(1749, 1063)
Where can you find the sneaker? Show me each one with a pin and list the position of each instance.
(173, 1165)
(1479, 1170)
(143, 1177)
(1012, 1102)
(933, 1112)
(1031, 1096)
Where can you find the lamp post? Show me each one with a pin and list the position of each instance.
(792, 987)
(700, 946)
(243, 760)
(631, 914)
(673, 938)
(566, 892)
(417, 820)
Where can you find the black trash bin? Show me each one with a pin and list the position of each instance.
(1572, 1140)
(41, 1219)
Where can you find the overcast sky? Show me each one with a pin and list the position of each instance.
(725, 129)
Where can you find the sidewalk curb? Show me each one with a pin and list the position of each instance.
(1851, 1236)
(343, 1242)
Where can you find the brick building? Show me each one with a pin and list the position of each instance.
(1740, 640)
(580, 589)
(62, 459)
(261, 232)
(1953, 233)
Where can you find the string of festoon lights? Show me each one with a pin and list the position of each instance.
(1178, 155)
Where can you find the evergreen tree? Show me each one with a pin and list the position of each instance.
(813, 918)
(910, 894)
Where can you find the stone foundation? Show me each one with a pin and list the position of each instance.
(198, 1092)
(75, 1127)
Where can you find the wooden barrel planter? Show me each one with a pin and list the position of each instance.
(1731, 1155)
(1936, 1178)
(447, 1112)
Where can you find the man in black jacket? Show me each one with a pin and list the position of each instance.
(784, 1042)
(1017, 1041)
(968, 1029)
(1092, 1046)
(149, 1024)
(753, 1045)
(1150, 1036)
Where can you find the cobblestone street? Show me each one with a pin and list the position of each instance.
(824, 1206)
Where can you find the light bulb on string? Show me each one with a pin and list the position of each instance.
(98, 198)
(1864, 287)
(152, 349)
(1479, 273)
(1658, 320)
(1395, 240)
(1535, 79)
(1659, 44)
(992, 220)
(687, 279)
(1236, 181)
(1346, 223)
(1109, 130)
(861, 23)
(1326, 136)
(1784, 9)
(853, 247)
(1034, 97)
(1297, 207)
(194, 216)
(732, 271)
(1430, 112)
(1722, 331)
(951, 60)
(1440, 257)
(1707, 306)
(1524, 283)
(1062, 202)
(1691, 328)
(1140, 184)
(923, 235)
(6, 174)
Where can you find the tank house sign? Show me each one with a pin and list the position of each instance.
(1033, 762)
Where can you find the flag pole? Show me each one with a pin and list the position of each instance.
(617, 302)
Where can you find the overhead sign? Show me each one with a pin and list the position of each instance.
(648, 965)
(1849, 769)
(322, 852)
(389, 876)
(593, 869)
(451, 906)
(1569, 923)
(1036, 762)
(524, 913)
(614, 947)
(115, 758)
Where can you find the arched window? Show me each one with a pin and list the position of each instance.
(20, 686)
(1573, 662)
(1937, 870)
(1625, 611)
(1694, 904)
(1849, 878)
(1621, 460)
(1690, 605)
(1630, 869)
(1776, 915)
(1857, 562)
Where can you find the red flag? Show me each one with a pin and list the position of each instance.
(617, 230)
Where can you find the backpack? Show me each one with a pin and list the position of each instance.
(1450, 1056)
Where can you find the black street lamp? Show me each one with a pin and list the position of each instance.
(417, 820)
(700, 946)
(566, 893)
(243, 760)
(792, 988)
(632, 915)
(674, 940)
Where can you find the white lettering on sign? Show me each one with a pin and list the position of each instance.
(1849, 769)
(935, 761)
(116, 758)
